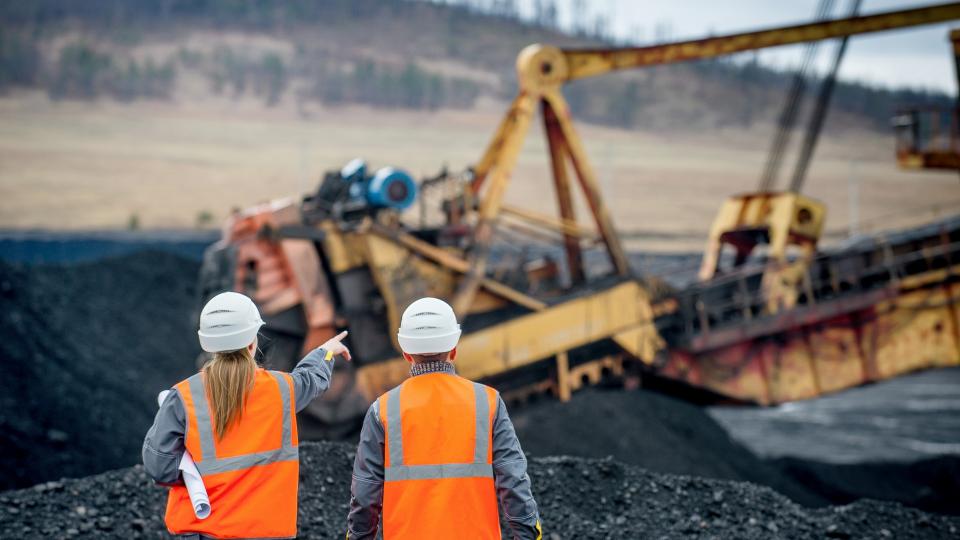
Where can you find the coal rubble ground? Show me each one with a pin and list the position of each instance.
(579, 498)
(84, 356)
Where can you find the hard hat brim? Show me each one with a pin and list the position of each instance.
(229, 342)
(429, 345)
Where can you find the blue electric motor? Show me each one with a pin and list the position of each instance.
(387, 188)
(391, 188)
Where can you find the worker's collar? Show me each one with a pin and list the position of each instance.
(437, 366)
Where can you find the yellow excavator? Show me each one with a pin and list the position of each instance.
(776, 321)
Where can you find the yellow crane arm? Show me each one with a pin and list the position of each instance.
(591, 62)
(541, 72)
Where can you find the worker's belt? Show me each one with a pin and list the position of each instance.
(479, 468)
(209, 463)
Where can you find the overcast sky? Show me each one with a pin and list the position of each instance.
(918, 57)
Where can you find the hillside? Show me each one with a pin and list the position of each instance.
(382, 53)
(168, 114)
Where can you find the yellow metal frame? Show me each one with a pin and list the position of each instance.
(403, 266)
(622, 312)
(542, 70)
(785, 218)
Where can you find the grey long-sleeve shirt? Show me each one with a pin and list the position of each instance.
(163, 446)
(509, 472)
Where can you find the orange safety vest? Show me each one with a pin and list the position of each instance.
(438, 469)
(252, 474)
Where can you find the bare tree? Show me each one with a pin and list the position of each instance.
(600, 27)
(539, 12)
(578, 17)
(550, 14)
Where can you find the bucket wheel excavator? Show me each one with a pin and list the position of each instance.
(788, 325)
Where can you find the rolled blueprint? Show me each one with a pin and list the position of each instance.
(192, 478)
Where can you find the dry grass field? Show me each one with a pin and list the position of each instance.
(76, 165)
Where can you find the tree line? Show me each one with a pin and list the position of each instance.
(717, 92)
(83, 70)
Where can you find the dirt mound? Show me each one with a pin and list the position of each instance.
(579, 498)
(86, 348)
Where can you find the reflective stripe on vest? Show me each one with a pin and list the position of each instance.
(209, 463)
(478, 469)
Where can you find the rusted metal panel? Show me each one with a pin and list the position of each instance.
(788, 367)
(737, 371)
(836, 353)
(807, 356)
(679, 365)
(787, 320)
(913, 331)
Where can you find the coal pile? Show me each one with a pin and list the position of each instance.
(665, 434)
(932, 484)
(85, 349)
(654, 431)
(579, 498)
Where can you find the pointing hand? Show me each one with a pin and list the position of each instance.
(333, 345)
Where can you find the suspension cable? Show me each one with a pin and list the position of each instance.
(820, 111)
(791, 108)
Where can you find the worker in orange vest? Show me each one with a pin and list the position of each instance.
(437, 451)
(238, 421)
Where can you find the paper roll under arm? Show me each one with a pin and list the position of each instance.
(195, 487)
(191, 478)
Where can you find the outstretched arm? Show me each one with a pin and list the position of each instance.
(366, 489)
(512, 481)
(311, 377)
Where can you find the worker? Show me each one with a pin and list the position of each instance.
(437, 451)
(238, 422)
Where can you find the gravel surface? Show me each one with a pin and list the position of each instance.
(579, 498)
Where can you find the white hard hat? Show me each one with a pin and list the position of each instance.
(229, 322)
(428, 326)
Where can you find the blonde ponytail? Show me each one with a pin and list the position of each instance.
(229, 378)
